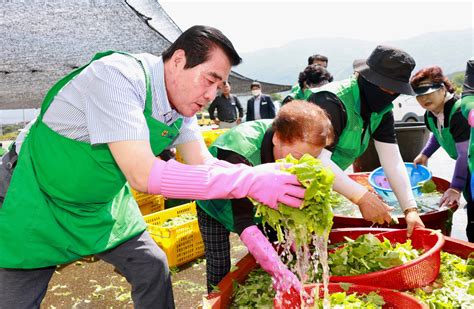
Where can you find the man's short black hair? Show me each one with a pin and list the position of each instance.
(317, 57)
(197, 43)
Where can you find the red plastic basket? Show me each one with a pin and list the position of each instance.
(223, 298)
(416, 273)
(393, 299)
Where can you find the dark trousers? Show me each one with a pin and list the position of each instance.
(217, 247)
(470, 209)
(139, 259)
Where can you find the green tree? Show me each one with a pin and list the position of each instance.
(457, 79)
(276, 97)
(10, 131)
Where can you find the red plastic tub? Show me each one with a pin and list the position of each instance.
(435, 220)
(451, 245)
(223, 298)
(393, 299)
(416, 273)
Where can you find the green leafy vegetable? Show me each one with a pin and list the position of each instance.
(256, 292)
(354, 300)
(470, 265)
(368, 254)
(454, 287)
(181, 219)
(315, 215)
(427, 186)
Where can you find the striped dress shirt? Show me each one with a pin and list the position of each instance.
(105, 103)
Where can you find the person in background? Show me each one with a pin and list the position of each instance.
(301, 91)
(98, 133)
(319, 60)
(259, 106)
(360, 108)
(299, 127)
(467, 108)
(449, 129)
(9, 160)
(313, 76)
(229, 109)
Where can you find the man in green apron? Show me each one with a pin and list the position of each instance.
(100, 127)
(467, 108)
(360, 108)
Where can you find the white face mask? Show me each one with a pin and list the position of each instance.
(256, 92)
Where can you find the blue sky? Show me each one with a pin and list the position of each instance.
(253, 25)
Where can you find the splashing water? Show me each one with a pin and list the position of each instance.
(320, 244)
(305, 262)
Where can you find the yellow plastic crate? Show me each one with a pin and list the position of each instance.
(211, 135)
(181, 243)
(149, 203)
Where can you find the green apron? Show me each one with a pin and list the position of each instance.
(246, 140)
(297, 94)
(354, 140)
(445, 138)
(67, 198)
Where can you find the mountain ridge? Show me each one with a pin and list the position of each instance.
(448, 49)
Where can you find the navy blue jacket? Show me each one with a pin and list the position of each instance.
(267, 108)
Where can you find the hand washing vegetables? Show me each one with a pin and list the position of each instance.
(315, 215)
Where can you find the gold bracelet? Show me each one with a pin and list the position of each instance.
(411, 209)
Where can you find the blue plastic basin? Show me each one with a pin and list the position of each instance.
(379, 182)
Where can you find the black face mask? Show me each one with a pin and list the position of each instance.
(374, 98)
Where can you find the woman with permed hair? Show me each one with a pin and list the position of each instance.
(313, 76)
(450, 130)
(300, 127)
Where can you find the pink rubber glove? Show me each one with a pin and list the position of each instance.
(261, 249)
(470, 118)
(216, 162)
(264, 183)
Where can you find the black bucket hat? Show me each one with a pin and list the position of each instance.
(426, 88)
(389, 68)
